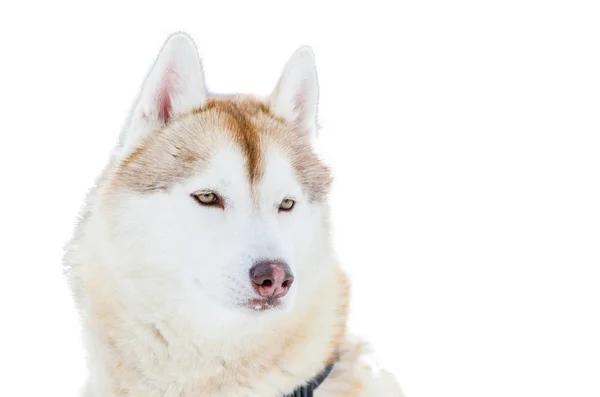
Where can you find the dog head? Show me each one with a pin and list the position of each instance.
(218, 203)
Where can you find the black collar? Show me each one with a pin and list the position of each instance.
(307, 390)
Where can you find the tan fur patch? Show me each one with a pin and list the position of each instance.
(184, 147)
(281, 354)
(242, 118)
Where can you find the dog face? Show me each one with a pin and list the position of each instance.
(219, 202)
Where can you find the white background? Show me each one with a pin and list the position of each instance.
(464, 137)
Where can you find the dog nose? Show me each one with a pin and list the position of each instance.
(271, 278)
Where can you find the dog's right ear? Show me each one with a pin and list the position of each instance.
(174, 86)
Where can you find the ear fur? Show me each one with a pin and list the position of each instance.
(174, 86)
(296, 95)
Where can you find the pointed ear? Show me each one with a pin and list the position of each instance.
(296, 96)
(174, 86)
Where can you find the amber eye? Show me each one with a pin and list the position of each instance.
(287, 204)
(208, 198)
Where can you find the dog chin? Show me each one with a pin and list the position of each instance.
(264, 304)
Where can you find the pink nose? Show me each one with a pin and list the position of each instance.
(271, 278)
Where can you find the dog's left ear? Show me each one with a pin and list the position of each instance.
(296, 96)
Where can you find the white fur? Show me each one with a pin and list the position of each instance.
(212, 250)
(296, 96)
(177, 76)
(160, 261)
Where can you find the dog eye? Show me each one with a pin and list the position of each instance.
(287, 204)
(208, 198)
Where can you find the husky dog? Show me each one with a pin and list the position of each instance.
(202, 263)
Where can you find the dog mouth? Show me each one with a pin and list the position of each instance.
(263, 304)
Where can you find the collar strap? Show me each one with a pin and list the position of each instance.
(308, 389)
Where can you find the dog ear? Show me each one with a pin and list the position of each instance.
(174, 86)
(296, 95)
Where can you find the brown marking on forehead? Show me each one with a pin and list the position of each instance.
(185, 146)
(254, 127)
(242, 117)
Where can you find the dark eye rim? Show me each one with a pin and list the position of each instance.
(287, 209)
(217, 202)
